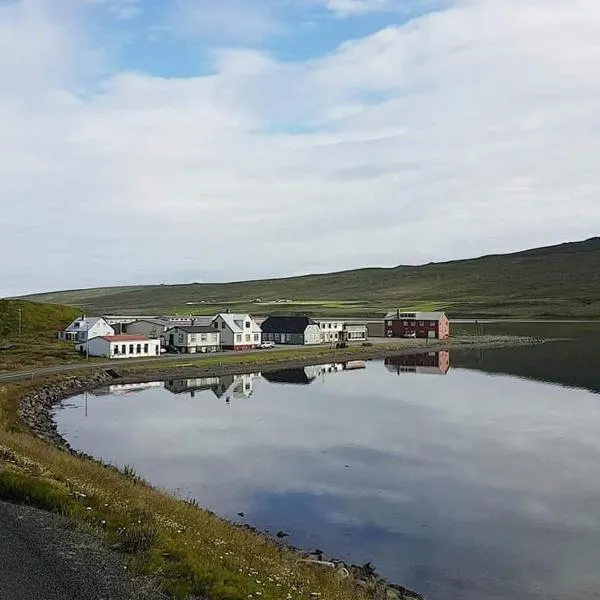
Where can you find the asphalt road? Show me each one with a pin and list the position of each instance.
(43, 558)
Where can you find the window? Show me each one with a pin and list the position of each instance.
(247, 337)
(256, 336)
(216, 325)
(223, 325)
(405, 323)
(139, 349)
(180, 338)
(328, 325)
(421, 323)
(247, 324)
(130, 348)
(432, 323)
(390, 323)
(116, 350)
(238, 337)
(193, 338)
(145, 348)
(123, 349)
(203, 337)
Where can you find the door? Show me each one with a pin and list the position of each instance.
(432, 334)
(171, 340)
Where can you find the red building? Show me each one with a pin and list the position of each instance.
(437, 363)
(432, 325)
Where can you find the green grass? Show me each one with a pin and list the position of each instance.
(189, 551)
(558, 281)
(37, 345)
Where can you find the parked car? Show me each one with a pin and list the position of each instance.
(266, 345)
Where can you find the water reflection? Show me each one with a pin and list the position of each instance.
(425, 363)
(469, 487)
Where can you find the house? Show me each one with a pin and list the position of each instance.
(331, 330)
(152, 328)
(428, 363)
(122, 346)
(355, 332)
(86, 328)
(417, 324)
(238, 332)
(193, 339)
(192, 385)
(299, 331)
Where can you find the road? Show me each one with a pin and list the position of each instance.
(95, 364)
(42, 557)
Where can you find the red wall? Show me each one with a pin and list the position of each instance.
(398, 329)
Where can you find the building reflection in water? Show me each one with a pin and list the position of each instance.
(306, 375)
(427, 363)
(120, 389)
(226, 386)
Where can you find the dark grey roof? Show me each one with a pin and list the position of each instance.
(195, 329)
(286, 324)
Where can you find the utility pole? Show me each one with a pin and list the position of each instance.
(20, 321)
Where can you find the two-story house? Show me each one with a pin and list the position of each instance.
(85, 328)
(238, 332)
(192, 339)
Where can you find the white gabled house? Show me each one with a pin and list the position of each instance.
(86, 328)
(238, 332)
(122, 346)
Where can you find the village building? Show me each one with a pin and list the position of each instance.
(121, 346)
(238, 331)
(355, 332)
(431, 325)
(299, 331)
(331, 330)
(85, 328)
(192, 339)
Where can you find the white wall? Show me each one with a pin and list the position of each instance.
(105, 348)
(312, 335)
(330, 330)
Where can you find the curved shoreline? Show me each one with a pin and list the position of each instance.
(36, 410)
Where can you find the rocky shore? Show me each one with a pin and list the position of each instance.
(36, 407)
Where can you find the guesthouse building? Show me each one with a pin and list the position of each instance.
(299, 331)
(238, 331)
(429, 325)
(122, 346)
(192, 339)
(85, 328)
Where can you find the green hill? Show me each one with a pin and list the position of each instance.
(555, 281)
(36, 319)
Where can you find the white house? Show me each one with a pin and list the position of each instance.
(192, 339)
(331, 330)
(122, 346)
(238, 332)
(86, 328)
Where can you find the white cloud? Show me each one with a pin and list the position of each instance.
(226, 21)
(353, 7)
(468, 130)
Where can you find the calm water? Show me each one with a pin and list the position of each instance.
(475, 479)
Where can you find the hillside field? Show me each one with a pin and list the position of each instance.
(560, 281)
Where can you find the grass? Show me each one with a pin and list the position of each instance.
(190, 551)
(557, 281)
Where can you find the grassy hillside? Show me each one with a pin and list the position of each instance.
(555, 281)
(37, 344)
(37, 319)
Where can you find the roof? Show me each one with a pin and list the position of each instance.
(286, 324)
(86, 323)
(195, 329)
(153, 321)
(418, 316)
(235, 322)
(125, 338)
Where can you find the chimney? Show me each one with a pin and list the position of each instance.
(398, 313)
(228, 310)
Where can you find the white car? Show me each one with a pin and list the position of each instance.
(267, 345)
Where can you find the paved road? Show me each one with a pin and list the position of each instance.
(42, 558)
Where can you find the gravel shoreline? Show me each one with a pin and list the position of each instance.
(36, 410)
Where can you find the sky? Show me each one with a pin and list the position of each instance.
(157, 141)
